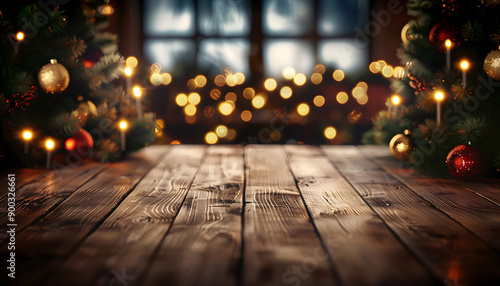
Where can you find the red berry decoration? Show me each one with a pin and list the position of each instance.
(442, 32)
(81, 143)
(465, 162)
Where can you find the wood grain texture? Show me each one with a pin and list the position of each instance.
(357, 238)
(474, 212)
(122, 246)
(23, 177)
(448, 250)
(203, 246)
(280, 243)
(61, 230)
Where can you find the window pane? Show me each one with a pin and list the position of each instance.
(339, 17)
(216, 54)
(287, 17)
(280, 54)
(343, 54)
(170, 54)
(224, 17)
(169, 17)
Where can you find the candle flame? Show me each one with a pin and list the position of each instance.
(137, 91)
(49, 144)
(20, 36)
(439, 96)
(27, 135)
(396, 100)
(123, 125)
(448, 43)
(464, 64)
(128, 71)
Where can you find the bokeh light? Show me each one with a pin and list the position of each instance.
(299, 79)
(215, 94)
(156, 68)
(275, 135)
(303, 109)
(395, 100)
(319, 100)
(49, 144)
(221, 131)
(231, 96)
(240, 78)
(211, 138)
(190, 110)
(208, 111)
(27, 135)
(358, 92)
(194, 98)
(338, 75)
(249, 93)
(342, 97)
(191, 84)
(220, 80)
(231, 80)
(20, 36)
(270, 84)
(286, 92)
(200, 80)
(156, 79)
(166, 78)
(225, 108)
(181, 99)
(137, 91)
(246, 115)
(387, 71)
(128, 71)
(288, 73)
(258, 101)
(316, 78)
(319, 68)
(131, 62)
(330, 132)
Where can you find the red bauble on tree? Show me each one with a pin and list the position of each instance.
(442, 32)
(465, 162)
(81, 143)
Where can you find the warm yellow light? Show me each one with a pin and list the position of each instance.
(342, 97)
(211, 138)
(128, 71)
(358, 92)
(166, 78)
(270, 84)
(123, 125)
(464, 64)
(275, 135)
(27, 135)
(181, 99)
(156, 68)
(319, 68)
(288, 73)
(215, 94)
(231, 80)
(447, 43)
(137, 91)
(316, 78)
(240, 78)
(286, 92)
(131, 62)
(319, 100)
(299, 79)
(246, 115)
(190, 110)
(220, 80)
(387, 71)
(258, 101)
(175, 142)
(330, 132)
(249, 93)
(338, 75)
(231, 96)
(439, 96)
(396, 100)
(231, 134)
(20, 36)
(191, 84)
(156, 79)
(225, 108)
(303, 109)
(49, 144)
(200, 80)
(363, 85)
(363, 99)
(374, 67)
(194, 98)
(221, 131)
(398, 72)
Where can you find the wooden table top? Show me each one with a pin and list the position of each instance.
(254, 215)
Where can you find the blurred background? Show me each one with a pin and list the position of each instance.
(271, 71)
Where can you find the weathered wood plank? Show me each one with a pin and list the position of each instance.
(23, 177)
(203, 246)
(357, 238)
(451, 252)
(122, 246)
(41, 246)
(280, 242)
(479, 215)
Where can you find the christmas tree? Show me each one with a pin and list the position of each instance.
(60, 85)
(450, 92)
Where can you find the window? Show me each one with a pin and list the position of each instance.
(212, 34)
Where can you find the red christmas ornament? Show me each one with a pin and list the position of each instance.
(442, 32)
(81, 143)
(465, 162)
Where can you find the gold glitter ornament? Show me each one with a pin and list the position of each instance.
(53, 77)
(400, 146)
(492, 64)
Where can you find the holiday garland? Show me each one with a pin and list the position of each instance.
(58, 81)
(450, 91)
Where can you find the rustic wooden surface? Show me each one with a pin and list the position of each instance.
(254, 215)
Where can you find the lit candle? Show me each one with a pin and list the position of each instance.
(465, 66)
(19, 38)
(123, 127)
(137, 93)
(128, 76)
(448, 45)
(395, 101)
(27, 137)
(439, 98)
(49, 144)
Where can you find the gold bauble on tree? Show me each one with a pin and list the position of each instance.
(492, 64)
(400, 146)
(53, 77)
(85, 111)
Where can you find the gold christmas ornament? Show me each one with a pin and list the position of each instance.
(53, 77)
(400, 146)
(85, 111)
(492, 64)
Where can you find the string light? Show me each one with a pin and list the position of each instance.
(137, 91)
(303, 109)
(131, 62)
(330, 132)
(396, 100)
(20, 36)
